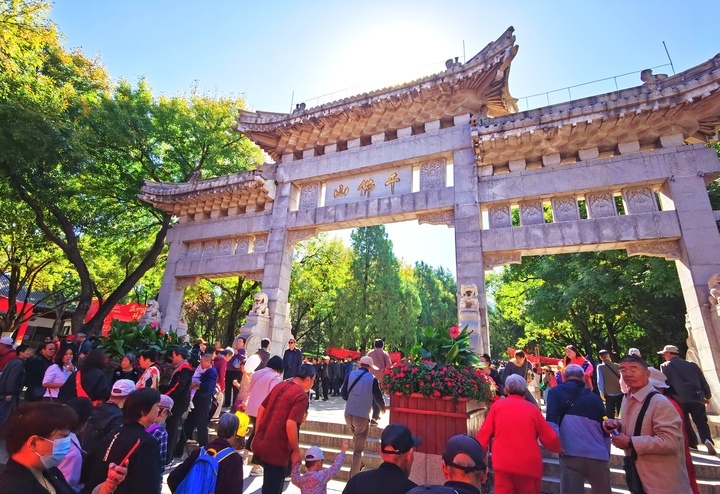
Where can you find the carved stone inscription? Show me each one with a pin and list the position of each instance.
(309, 196)
(383, 183)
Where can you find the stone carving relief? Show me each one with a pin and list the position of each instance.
(600, 205)
(243, 246)
(492, 260)
(499, 216)
(225, 248)
(669, 249)
(295, 236)
(531, 213)
(309, 196)
(714, 287)
(260, 244)
(195, 250)
(260, 305)
(432, 175)
(152, 315)
(565, 209)
(639, 200)
(469, 297)
(209, 249)
(440, 218)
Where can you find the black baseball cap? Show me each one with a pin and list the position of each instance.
(462, 443)
(396, 439)
(432, 489)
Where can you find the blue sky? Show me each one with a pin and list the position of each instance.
(275, 53)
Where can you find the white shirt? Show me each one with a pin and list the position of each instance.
(55, 374)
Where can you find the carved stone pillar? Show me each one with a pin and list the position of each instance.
(276, 274)
(472, 308)
(700, 256)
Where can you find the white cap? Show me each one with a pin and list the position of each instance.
(6, 340)
(367, 360)
(634, 351)
(314, 453)
(123, 387)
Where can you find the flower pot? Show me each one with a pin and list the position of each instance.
(435, 420)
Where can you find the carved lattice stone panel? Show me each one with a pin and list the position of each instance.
(260, 244)
(432, 175)
(209, 249)
(195, 250)
(309, 196)
(243, 246)
(639, 200)
(531, 213)
(499, 216)
(600, 205)
(565, 209)
(226, 247)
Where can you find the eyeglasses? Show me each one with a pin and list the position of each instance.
(169, 413)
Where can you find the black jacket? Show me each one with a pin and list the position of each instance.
(34, 372)
(104, 419)
(179, 389)
(144, 470)
(292, 360)
(16, 478)
(12, 377)
(93, 382)
(387, 478)
(687, 380)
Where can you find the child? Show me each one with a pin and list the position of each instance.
(195, 383)
(316, 479)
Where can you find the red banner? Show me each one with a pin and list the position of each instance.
(353, 354)
(131, 312)
(19, 307)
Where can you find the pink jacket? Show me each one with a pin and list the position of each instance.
(261, 383)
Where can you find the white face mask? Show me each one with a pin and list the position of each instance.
(61, 447)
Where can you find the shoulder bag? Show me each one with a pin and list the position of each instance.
(632, 477)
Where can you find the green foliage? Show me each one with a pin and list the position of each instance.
(128, 337)
(437, 290)
(592, 300)
(439, 345)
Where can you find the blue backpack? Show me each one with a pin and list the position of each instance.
(203, 474)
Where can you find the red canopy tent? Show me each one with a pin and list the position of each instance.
(536, 360)
(354, 354)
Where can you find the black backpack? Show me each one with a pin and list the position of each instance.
(105, 418)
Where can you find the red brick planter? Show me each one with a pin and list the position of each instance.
(435, 420)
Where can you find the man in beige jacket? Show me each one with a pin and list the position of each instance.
(659, 447)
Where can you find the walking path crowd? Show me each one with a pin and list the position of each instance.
(68, 427)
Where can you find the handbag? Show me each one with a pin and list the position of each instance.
(632, 477)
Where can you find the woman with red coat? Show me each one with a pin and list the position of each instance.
(514, 427)
(573, 356)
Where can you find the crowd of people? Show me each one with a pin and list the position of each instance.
(71, 426)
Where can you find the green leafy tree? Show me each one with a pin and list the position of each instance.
(437, 290)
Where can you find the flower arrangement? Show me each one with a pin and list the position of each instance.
(433, 380)
(440, 364)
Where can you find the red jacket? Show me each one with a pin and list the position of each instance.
(515, 425)
(7, 356)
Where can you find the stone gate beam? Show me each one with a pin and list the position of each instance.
(686, 192)
(468, 250)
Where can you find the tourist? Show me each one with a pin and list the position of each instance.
(234, 372)
(179, 390)
(664, 388)
(292, 359)
(56, 375)
(522, 367)
(693, 393)
(577, 413)
(127, 369)
(36, 441)
(573, 356)
(657, 450)
(199, 416)
(263, 353)
(276, 440)
(397, 447)
(150, 377)
(514, 426)
(315, 480)
(381, 359)
(486, 366)
(11, 381)
(220, 362)
(7, 351)
(243, 390)
(463, 466)
(158, 430)
(144, 472)
(325, 377)
(608, 377)
(35, 371)
(107, 416)
(71, 464)
(89, 381)
(261, 384)
(82, 344)
(230, 469)
(362, 391)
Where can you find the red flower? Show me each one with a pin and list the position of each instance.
(454, 332)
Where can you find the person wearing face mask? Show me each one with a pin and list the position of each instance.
(144, 472)
(37, 439)
(158, 431)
